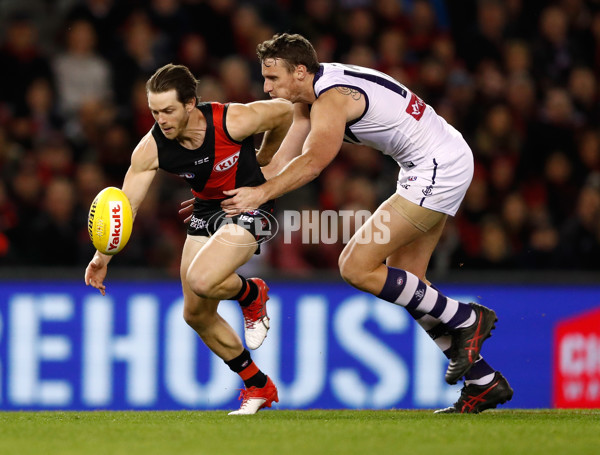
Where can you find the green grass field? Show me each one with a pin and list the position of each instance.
(300, 432)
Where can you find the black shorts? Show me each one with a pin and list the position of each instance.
(208, 217)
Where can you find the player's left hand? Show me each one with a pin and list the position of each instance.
(242, 200)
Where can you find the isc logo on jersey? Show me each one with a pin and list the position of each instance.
(110, 221)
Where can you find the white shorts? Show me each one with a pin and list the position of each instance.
(439, 182)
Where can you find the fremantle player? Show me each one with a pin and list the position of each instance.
(335, 103)
(211, 146)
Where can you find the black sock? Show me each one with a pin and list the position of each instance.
(247, 369)
(247, 293)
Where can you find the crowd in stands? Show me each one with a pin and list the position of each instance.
(518, 78)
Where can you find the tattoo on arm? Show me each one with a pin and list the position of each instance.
(355, 94)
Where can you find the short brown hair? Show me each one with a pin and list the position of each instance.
(293, 49)
(174, 77)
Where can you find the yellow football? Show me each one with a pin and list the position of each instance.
(110, 221)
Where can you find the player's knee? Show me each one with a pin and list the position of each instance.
(197, 320)
(351, 270)
(199, 284)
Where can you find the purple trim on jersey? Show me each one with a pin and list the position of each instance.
(435, 165)
(318, 75)
(394, 87)
(348, 132)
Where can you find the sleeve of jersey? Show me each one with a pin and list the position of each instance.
(227, 153)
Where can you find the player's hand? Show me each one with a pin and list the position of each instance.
(186, 210)
(242, 200)
(96, 272)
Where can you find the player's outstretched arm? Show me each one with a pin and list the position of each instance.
(144, 164)
(328, 119)
(273, 117)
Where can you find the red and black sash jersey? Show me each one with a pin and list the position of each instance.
(219, 164)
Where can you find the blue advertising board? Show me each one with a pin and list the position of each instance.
(64, 346)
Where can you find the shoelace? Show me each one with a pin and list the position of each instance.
(243, 394)
(252, 313)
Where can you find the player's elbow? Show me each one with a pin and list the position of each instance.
(312, 170)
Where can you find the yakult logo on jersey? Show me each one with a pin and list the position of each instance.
(416, 107)
(227, 162)
(577, 362)
(116, 221)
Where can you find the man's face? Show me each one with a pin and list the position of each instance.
(170, 114)
(279, 82)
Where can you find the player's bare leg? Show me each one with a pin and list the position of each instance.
(212, 274)
(201, 313)
(386, 232)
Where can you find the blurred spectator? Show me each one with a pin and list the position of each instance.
(106, 16)
(142, 52)
(423, 29)
(22, 62)
(583, 90)
(553, 52)
(485, 40)
(318, 18)
(57, 226)
(553, 130)
(194, 54)
(171, 19)
(81, 74)
(580, 235)
(212, 18)
(234, 74)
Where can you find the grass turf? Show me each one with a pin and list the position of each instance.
(316, 432)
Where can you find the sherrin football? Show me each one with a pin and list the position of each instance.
(110, 221)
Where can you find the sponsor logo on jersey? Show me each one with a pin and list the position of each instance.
(187, 175)
(416, 107)
(198, 223)
(116, 221)
(202, 161)
(227, 163)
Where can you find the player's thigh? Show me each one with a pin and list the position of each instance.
(227, 249)
(415, 256)
(384, 232)
(393, 229)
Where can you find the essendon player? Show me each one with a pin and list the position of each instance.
(211, 146)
